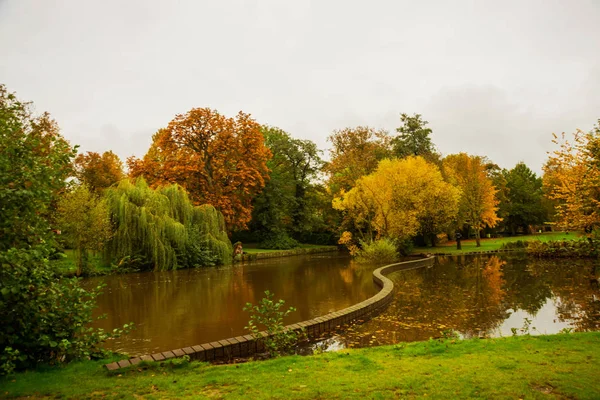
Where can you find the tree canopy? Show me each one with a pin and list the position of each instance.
(414, 138)
(219, 161)
(401, 198)
(285, 207)
(34, 164)
(163, 228)
(572, 179)
(355, 153)
(524, 199)
(97, 171)
(478, 203)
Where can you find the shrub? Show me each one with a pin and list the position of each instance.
(269, 314)
(44, 318)
(383, 250)
(587, 247)
(278, 241)
(519, 244)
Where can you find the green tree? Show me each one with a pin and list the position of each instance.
(414, 139)
(83, 219)
(284, 207)
(163, 229)
(44, 318)
(34, 164)
(524, 206)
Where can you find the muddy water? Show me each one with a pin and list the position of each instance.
(181, 308)
(476, 296)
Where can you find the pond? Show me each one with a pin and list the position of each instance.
(483, 296)
(472, 296)
(176, 309)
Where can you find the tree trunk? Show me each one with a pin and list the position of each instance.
(478, 237)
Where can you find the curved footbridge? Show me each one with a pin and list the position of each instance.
(244, 346)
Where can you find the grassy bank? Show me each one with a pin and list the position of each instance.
(252, 253)
(558, 366)
(493, 243)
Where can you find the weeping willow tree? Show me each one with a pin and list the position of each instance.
(161, 229)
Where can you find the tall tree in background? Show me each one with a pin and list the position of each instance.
(97, 171)
(572, 179)
(219, 160)
(414, 139)
(478, 204)
(355, 152)
(524, 206)
(284, 207)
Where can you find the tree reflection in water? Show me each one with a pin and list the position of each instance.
(475, 296)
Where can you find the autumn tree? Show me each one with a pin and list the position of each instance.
(400, 199)
(414, 139)
(84, 222)
(355, 152)
(285, 207)
(478, 203)
(97, 171)
(219, 160)
(572, 179)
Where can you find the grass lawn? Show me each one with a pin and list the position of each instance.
(494, 243)
(537, 367)
(251, 249)
(68, 265)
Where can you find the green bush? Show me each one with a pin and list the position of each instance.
(269, 314)
(44, 318)
(278, 241)
(383, 250)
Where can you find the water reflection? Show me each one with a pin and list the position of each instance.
(480, 296)
(187, 307)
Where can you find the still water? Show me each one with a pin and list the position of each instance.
(176, 309)
(472, 296)
(483, 296)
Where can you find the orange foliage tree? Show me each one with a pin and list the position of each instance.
(572, 180)
(478, 204)
(219, 160)
(99, 171)
(355, 153)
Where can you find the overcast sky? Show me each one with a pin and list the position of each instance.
(493, 78)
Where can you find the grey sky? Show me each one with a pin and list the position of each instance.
(492, 78)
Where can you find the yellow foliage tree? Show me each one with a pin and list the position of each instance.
(478, 203)
(355, 152)
(400, 199)
(572, 180)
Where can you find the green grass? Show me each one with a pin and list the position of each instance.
(538, 367)
(494, 243)
(68, 264)
(250, 249)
